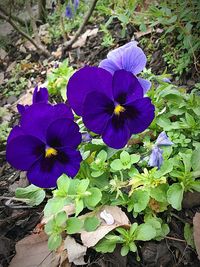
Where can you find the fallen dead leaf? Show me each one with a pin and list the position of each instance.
(139, 34)
(1, 78)
(82, 39)
(3, 54)
(75, 251)
(90, 239)
(196, 233)
(32, 251)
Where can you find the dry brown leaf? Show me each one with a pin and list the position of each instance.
(148, 31)
(90, 239)
(33, 251)
(75, 251)
(26, 99)
(82, 39)
(196, 233)
(1, 78)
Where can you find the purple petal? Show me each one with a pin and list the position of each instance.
(21, 108)
(40, 95)
(97, 110)
(140, 114)
(109, 65)
(126, 87)
(146, 85)
(156, 158)
(23, 151)
(45, 172)
(116, 54)
(39, 116)
(86, 137)
(63, 133)
(76, 4)
(133, 60)
(163, 140)
(116, 133)
(68, 12)
(16, 131)
(84, 81)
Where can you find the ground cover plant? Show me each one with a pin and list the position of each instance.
(110, 150)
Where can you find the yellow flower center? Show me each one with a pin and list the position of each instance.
(118, 109)
(50, 152)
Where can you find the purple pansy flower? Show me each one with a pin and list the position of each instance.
(45, 144)
(112, 106)
(128, 57)
(40, 95)
(156, 158)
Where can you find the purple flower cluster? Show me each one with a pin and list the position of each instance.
(111, 101)
(70, 8)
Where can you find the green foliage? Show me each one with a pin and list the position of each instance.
(31, 194)
(57, 80)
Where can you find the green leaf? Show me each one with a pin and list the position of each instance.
(175, 195)
(188, 235)
(190, 120)
(116, 165)
(107, 244)
(166, 167)
(31, 194)
(102, 155)
(97, 173)
(63, 184)
(79, 206)
(83, 185)
(124, 250)
(91, 224)
(54, 241)
(159, 193)
(61, 218)
(53, 206)
(135, 158)
(92, 200)
(125, 157)
(133, 228)
(196, 160)
(132, 247)
(145, 232)
(74, 225)
(140, 199)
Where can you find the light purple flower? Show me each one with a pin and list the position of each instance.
(76, 4)
(68, 12)
(156, 157)
(166, 80)
(130, 58)
(163, 140)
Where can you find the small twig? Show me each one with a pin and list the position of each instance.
(175, 239)
(62, 22)
(40, 49)
(68, 44)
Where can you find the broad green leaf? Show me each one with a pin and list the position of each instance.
(140, 199)
(125, 157)
(135, 158)
(61, 218)
(145, 232)
(49, 227)
(63, 183)
(187, 161)
(132, 247)
(133, 228)
(102, 155)
(107, 244)
(74, 225)
(83, 185)
(166, 167)
(175, 195)
(54, 241)
(196, 160)
(96, 173)
(124, 250)
(195, 185)
(91, 224)
(95, 197)
(31, 194)
(159, 193)
(54, 206)
(116, 165)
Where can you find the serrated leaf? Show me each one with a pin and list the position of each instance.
(61, 218)
(74, 225)
(91, 223)
(102, 155)
(175, 195)
(83, 185)
(125, 157)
